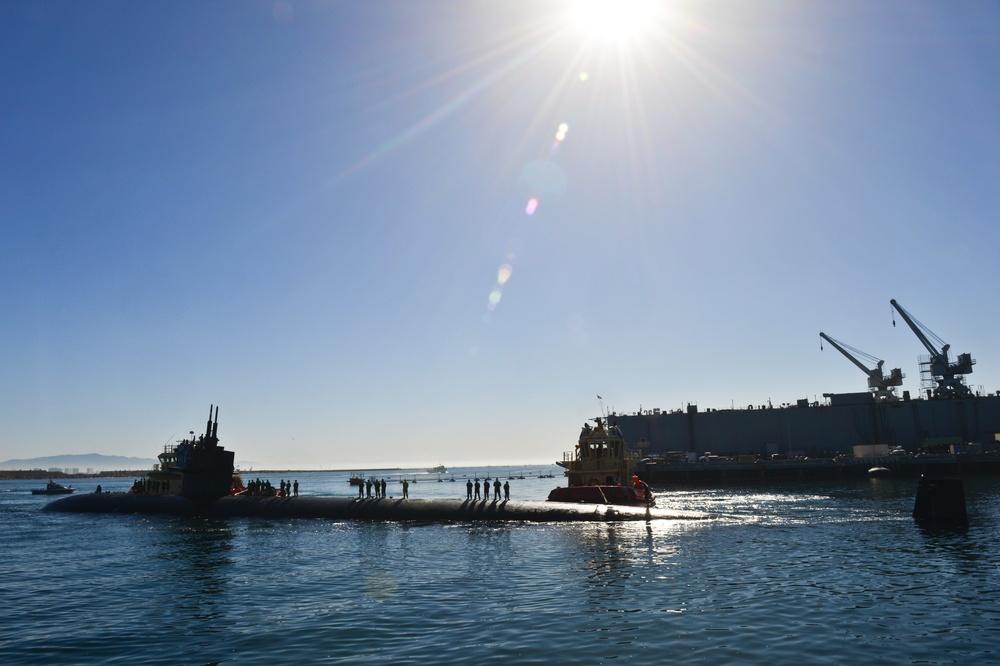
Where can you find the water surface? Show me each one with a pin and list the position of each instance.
(820, 573)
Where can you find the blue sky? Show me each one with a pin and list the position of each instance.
(314, 214)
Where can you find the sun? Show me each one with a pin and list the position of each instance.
(613, 20)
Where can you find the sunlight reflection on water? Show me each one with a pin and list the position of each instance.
(826, 574)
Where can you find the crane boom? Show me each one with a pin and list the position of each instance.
(948, 375)
(877, 382)
(918, 331)
(838, 346)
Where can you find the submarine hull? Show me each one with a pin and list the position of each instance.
(342, 508)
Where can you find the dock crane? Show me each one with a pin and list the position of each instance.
(879, 384)
(947, 375)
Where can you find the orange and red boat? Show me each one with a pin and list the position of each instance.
(600, 470)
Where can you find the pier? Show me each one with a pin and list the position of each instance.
(723, 473)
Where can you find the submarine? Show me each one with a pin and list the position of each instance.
(372, 509)
(195, 478)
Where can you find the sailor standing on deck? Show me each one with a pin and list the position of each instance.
(477, 488)
(496, 488)
(468, 489)
(406, 489)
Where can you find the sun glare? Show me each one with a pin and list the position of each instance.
(613, 20)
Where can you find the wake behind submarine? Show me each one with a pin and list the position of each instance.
(195, 478)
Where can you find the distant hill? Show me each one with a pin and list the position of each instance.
(80, 462)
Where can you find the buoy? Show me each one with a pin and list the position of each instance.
(940, 501)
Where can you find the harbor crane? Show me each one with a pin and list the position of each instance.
(937, 368)
(879, 384)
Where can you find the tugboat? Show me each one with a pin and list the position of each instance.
(53, 488)
(600, 470)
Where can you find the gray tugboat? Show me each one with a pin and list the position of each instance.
(53, 488)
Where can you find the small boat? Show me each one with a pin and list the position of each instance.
(53, 488)
(600, 470)
(440, 469)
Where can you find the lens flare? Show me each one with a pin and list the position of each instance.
(532, 206)
(545, 177)
(283, 12)
(504, 274)
(560, 136)
(380, 586)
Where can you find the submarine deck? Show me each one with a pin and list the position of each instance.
(343, 508)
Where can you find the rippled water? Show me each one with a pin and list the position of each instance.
(825, 574)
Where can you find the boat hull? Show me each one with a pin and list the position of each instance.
(618, 495)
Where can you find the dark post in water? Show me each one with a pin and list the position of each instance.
(940, 502)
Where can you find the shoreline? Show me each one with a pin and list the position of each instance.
(36, 474)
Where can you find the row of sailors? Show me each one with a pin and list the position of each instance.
(376, 484)
(258, 488)
(149, 487)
